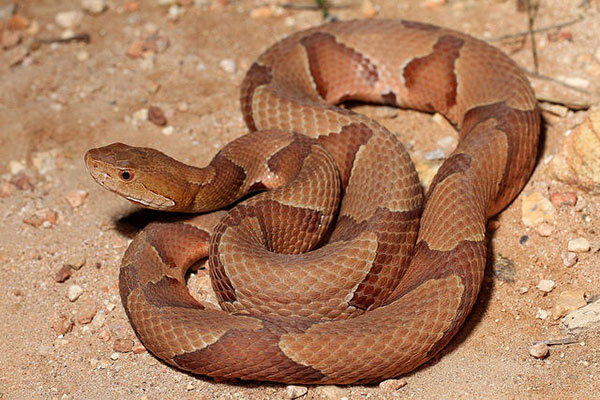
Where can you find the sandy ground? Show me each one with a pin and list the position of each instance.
(59, 99)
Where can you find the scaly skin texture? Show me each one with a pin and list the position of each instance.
(316, 293)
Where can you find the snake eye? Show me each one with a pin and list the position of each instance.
(126, 175)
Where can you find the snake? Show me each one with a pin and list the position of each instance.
(329, 263)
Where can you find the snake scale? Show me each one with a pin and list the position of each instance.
(339, 270)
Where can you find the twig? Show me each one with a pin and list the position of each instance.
(539, 30)
(550, 79)
(80, 37)
(531, 14)
(560, 342)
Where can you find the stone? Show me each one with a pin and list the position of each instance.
(294, 391)
(94, 7)
(539, 350)
(546, 285)
(567, 301)
(156, 116)
(123, 345)
(578, 245)
(391, 385)
(583, 318)
(62, 274)
(578, 161)
(536, 209)
(74, 292)
(76, 198)
(69, 19)
(559, 199)
(228, 65)
(569, 258)
(504, 269)
(544, 229)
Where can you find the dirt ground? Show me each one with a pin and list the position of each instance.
(72, 340)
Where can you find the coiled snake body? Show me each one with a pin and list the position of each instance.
(377, 294)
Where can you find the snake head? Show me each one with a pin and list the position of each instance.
(142, 175)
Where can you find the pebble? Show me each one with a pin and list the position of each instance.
(138, 348)
(24, 180)
(333, 392)
(546, 285)
(94, 7)
(82, 56)
(542, 314)
(115, 356)
(434, 3)
(76, 198)
(86, 314)
(535, 209)
(294, 392)
(578, 245)
(140, 115)
(567, 301)
(74, 292)
(578, 161)
(228, 65)
(135, 49)
(523, 289)
(544, 229)
(104, 335)
(368, 9)
(174, 12)
(62, 274)
(18, 23)
(560, 199)
(69, 19)
(584, 318)
(99, 319)
(14, 167)
(391, 385)
(189, 387)
(182, 106)
(7, 189)
(569, 258)
(42, 218)
(539, 350)
(427, 170)
(437, 154)
(123, 345)
(168, 131)
(75, 260)
(156, 116)
(62, 324)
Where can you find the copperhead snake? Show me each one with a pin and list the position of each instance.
(387, 286)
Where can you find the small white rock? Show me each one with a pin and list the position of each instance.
(546, 285)
(569, 258)
(294, 392)
(168, 131)
(68, 19)
(542, 314)
(141, 114)
(93, 6)
(74, 292)
(579, 245)
(114, 356)
(228, 65)
(15, 167)
(539, 350)
(437, 154)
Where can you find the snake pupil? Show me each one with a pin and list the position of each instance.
(125, 175)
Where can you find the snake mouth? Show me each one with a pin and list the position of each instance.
(156, 202)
